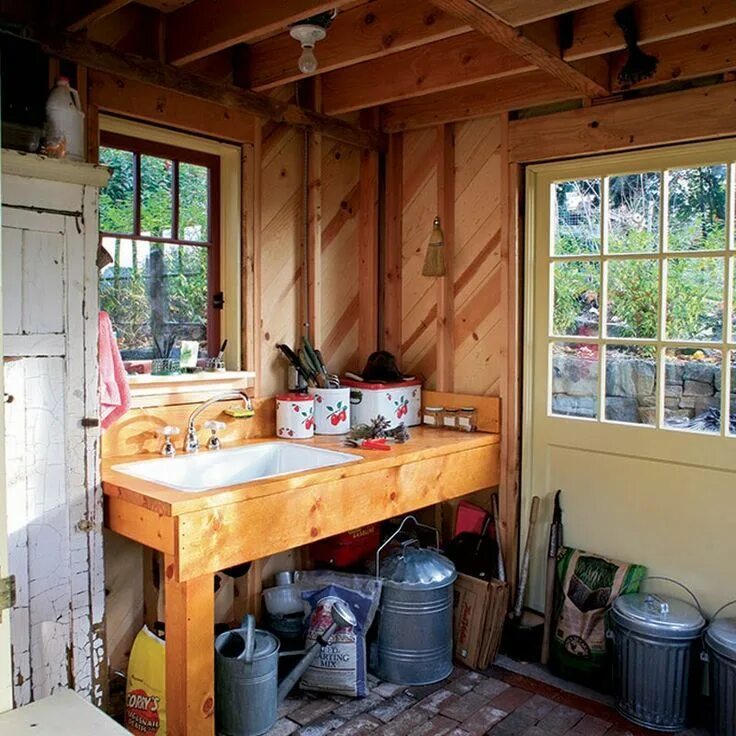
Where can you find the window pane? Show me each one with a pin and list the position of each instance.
(631, 394)
(633, 298)
(695, 299)
(193, 202)
(720, 386)
(156, 296)
(575, 380)
(697, 208)
(577, 285)
(156, 207)
(577, 217)
(116, 199)
(633, 219)
(693, 389)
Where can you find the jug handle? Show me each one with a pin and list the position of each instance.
(249, 624)
(75, 98)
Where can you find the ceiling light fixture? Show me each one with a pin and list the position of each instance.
(308, 32)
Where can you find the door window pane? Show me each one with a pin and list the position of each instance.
(631, 384)
(576, 218)
(633, 298)
(695, 299)
(156, 193)
(697, 208)
(577, 287)
(633, 213)
(156, 295)
(193, 202)
(693, 389)
(116, 199)
(574, 380)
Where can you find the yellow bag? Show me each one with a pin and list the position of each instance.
(145, 692)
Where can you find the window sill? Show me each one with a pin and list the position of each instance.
(147, 390)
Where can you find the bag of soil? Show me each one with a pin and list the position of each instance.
(341, 667)
(586, 586)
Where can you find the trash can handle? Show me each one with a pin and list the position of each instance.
(396, 534)
(721, 609)
(681, 585)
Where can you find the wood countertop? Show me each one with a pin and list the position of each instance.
(425, 444)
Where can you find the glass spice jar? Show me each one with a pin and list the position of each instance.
(450, 417)
(432, 416)
(467, 420)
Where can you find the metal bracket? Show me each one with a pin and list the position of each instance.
(7, 594)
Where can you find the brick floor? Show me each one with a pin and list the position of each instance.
(497, 703)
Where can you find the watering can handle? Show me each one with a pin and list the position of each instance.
(249, 624)
(396, 534)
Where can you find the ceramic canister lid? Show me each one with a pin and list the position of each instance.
(294, 397)
(658, 615)
(721, 637)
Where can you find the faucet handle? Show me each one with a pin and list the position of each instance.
(213, 443)
(167, 432)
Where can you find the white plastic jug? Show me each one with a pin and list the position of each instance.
(65, 119)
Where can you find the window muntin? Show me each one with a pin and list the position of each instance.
(159, 219)
(645, 304)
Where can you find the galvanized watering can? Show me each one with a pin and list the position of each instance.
(246, 674)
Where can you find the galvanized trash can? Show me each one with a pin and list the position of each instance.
(655, 639)
(720, 653)
(246, 692)
(414, 641)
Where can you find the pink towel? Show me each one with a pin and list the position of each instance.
(114, 391)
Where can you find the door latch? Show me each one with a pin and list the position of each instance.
(7, 594)
(218, 300)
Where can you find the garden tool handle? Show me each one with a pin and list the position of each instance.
(397, 532)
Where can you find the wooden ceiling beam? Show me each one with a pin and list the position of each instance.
(367, 32)
(103, 58)
(595, 31)
(466, 59)
(696, 55)
(206, 26)
(536, 44)
(517, 13)
(90, 11)
(487, 98)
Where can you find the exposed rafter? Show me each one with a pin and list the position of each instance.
(104, 58)
(207, 26)
(466, 59)
(517, 13)
(367, 32)
(539, 49)
(87, 12)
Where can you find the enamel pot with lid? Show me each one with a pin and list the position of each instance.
(414, 640)
(655, 638)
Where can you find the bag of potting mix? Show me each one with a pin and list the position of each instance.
(586, 586)
(145, 691)
(341, 667)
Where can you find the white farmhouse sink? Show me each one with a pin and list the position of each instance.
(215, 469)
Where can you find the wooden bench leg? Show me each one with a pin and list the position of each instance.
(190, 658)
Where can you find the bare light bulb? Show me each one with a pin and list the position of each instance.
(308, 61)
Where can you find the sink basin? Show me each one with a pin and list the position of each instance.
(207, 470)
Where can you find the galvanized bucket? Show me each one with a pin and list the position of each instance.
(720, 653)
(654, 640)
(414, 641)
(246, 681)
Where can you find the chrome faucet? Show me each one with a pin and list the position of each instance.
(191, 443)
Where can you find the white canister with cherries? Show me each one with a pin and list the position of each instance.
(295, 416)
(331, 410)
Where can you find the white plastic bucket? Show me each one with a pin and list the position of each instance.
(65, 119)
(331, 410)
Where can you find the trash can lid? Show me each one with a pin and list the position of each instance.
(417, 569)
(720, 636)
(658, 615)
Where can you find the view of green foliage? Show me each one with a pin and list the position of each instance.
(156, 293)
(696, 214)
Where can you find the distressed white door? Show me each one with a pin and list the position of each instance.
(54, 504)
(630, 360)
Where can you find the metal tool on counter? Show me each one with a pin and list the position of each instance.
(246, 673)
(555, 542)
(367, 444)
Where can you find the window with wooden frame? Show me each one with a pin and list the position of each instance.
(160, 223)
